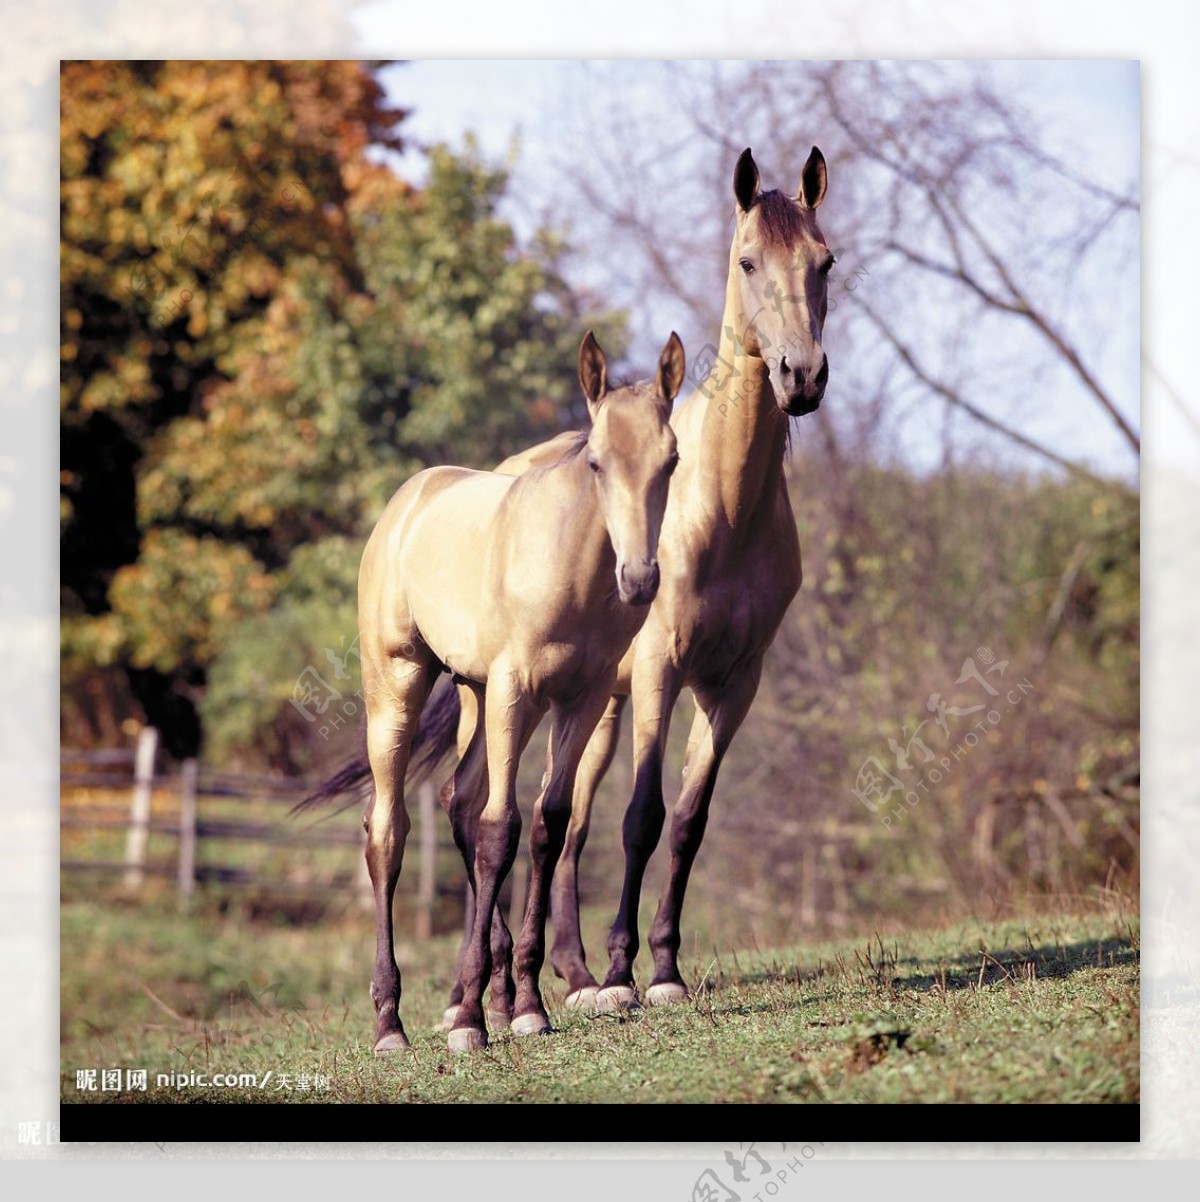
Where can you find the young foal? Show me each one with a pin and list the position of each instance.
(529, 591)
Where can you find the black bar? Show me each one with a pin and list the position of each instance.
(315, 1122)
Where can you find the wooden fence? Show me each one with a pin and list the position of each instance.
(135, 769)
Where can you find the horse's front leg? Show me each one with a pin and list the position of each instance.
(566, 953)
(656, 685)
(510, 718)
(569, 736)
(719, 714)
(395, 693)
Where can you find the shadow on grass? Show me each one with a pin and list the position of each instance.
(1050, 960)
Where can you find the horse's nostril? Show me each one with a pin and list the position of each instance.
(784, 366)
(822, 377)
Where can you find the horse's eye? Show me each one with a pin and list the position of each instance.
(594, 464)
(672, 463)
(746, 266)
(827, 266)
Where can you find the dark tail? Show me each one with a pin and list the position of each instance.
(437, 735)
(436, 738)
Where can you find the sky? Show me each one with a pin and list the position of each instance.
(515, 109)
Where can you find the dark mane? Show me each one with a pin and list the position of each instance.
(580, 439)
(781, 221)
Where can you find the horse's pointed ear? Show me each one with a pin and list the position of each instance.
(813, 180)
(671, 364)
(593, 371)
(745, 180)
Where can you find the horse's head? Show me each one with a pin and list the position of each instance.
(631, 454)
(779, 265)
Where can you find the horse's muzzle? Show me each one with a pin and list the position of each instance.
(809, 387)
(638, 585)
(798, 405)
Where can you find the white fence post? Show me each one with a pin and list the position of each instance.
(139, 806)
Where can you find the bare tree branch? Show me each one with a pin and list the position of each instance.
(955, 398)
(953, 219)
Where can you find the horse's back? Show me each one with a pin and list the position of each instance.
(423, 571)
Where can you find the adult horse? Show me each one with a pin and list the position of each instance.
(528, 590)
(730, 566)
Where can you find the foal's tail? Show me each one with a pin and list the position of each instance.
(436, 737)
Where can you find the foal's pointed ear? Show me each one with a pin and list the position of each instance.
(745, 180)
(813, 179)
(671, 364)
(593, 371)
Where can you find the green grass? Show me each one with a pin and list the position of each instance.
(1037, 1010)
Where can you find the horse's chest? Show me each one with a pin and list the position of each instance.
(562, 666)
(731, 619)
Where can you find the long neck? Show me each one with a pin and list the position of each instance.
(742, 434)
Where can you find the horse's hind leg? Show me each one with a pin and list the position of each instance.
(510, 718)
(463, 797)
(469, 723)
(395, 694)
(501, 990)
(567, 954)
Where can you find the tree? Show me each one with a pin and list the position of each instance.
(264, 331)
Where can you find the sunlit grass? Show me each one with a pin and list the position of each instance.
(1036, 1010)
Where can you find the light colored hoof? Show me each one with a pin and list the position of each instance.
(669, 994)
(467, 1039)
(498, 1020)
(393, 1041)
(449, 1016)
(530, 1024)
(616, 997)
(583, 999)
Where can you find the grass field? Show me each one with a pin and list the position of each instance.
(1043, 1009)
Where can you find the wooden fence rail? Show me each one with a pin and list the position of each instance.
(135, 769)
